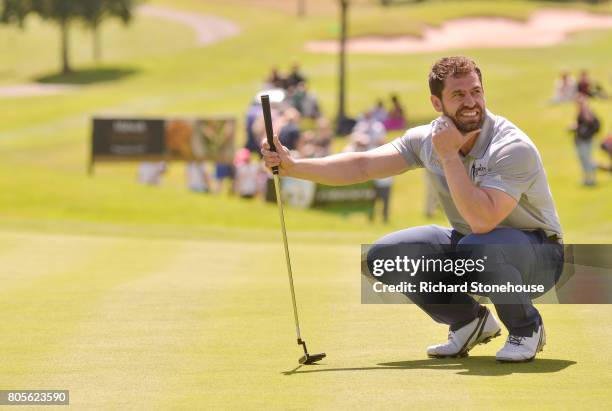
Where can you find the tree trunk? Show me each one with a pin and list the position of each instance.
(301, 8)
(65, 61)
(342, 65)
(97, 50)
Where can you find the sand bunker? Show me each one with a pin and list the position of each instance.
(544, 28)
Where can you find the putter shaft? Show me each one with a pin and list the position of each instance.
(287, 259)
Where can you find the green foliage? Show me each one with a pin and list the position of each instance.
(95, 11)
(14, 11)
(57, 10)
(63, 12)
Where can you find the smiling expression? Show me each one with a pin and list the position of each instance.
(463, 102)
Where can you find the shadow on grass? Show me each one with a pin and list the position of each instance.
(88, 76)
(464, 366)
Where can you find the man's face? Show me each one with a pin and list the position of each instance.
(463, 102)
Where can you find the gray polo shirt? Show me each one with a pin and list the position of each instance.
(503, 158)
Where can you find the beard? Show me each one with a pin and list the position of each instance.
(463, 124)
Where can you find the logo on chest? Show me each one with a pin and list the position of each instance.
(478, 170)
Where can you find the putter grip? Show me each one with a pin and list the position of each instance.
(265, 106)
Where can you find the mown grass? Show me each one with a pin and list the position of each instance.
(174, 324)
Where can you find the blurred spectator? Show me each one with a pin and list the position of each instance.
(247, 173)
(275, 79)
(373, 128)
(223, 172)
(306, 102)
(324, 135)
(396, 119)
(197, 177)
(606, 146)
(589, 88)
(586, 126)
(295, 76)
(150, 173)
(565, 88)
(252, 114)
(358, 141)
(289, 134)
(307, 147)
(382, 186)
(584, 84)
(383, 194)
(379, 112)
(292, 99)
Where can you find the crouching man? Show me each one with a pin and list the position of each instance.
(491, 183)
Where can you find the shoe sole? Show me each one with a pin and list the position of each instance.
(508, 360)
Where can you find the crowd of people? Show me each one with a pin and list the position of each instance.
(567, 88)
(369, 132)
(297, 119)
(246, 176)
(301, 127)
(587, 124)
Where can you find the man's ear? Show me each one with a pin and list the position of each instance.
(436, 103)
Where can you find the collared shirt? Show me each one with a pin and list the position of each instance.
(503, 158)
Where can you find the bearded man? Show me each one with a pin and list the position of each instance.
(491, 183)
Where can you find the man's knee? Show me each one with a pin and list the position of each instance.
(427, 234)
(412, 243)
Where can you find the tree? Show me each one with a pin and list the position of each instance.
(95, 11)
(63, 13)
(301, 8)
(15, 11)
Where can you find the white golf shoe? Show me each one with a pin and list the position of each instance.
(521, 349)
(480, 331)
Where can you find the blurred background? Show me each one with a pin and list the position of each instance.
(151, 228)
(67, 62)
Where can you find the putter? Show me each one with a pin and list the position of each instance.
(306, 358)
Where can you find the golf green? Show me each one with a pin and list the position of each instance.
(159, 324)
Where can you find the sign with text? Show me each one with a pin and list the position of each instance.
(306, 194)
(155, 139)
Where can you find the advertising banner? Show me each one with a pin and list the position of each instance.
(157, 139)
(307, 194)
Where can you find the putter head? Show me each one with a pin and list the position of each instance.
(311, 358)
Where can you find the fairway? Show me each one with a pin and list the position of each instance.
(137, 297)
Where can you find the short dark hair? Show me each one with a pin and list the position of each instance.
(456, 66)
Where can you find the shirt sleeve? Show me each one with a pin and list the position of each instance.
(513, 169)
(409, 146)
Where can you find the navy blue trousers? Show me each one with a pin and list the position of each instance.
(513, 256)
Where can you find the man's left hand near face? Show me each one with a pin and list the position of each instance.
(447, 139)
